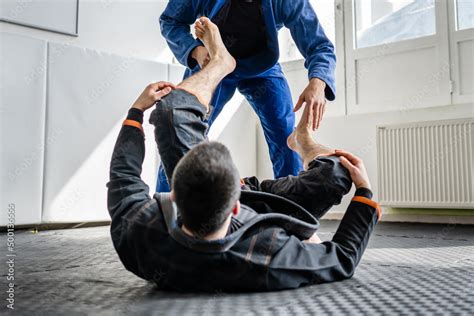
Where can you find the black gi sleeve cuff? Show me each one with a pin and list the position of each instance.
(364, 192)
(135, 115)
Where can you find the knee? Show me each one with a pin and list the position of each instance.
(174, 110)
(162, 110)
(175, 100)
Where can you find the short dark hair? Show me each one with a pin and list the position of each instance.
(206, 185)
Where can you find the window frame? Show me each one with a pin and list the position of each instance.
(457, 36)
(439, 41)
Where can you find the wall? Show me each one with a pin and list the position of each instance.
(22, 123)
(62, 102)
(124, 27)
(357, 133)
(119, 48)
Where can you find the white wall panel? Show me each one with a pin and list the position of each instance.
(240, 136)
(22, 112)
(264, 164)
(124, 27)
(59, 16)
(89, 94)
(175, 73)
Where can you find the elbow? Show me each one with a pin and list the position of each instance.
(166, 24)
(347, 269)
(347, 264)
(350, 269)
(325, 45)
(163, 26)
(114, 199)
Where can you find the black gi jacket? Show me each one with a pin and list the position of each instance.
(264, 249)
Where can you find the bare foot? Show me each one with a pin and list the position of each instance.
(209, 34)
(303, 143)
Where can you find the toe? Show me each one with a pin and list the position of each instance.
(199, 26)
(204, 20)
(208, 23)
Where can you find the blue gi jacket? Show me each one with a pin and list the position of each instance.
(296, 15)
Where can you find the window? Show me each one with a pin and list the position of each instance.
(396, 43)
(326, 14)
(462, 49)
(331, 17)
(387, 21)
(465, 14)
(325, 11)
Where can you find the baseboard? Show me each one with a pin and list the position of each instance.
(412, 218)
(55, 226)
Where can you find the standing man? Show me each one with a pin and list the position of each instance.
(250, 32)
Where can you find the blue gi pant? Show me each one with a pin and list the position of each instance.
(270, 97)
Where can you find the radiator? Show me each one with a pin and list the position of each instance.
(426, 164)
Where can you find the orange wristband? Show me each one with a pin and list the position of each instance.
(134, 124)
(364, 200)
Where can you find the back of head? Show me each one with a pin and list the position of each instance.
(206, 185)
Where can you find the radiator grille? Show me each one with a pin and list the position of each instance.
(426, 165)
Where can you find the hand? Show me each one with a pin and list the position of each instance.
(201, 55)
(315, 98)
(152, 93)
(356, 168)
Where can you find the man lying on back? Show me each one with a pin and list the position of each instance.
(215, 231)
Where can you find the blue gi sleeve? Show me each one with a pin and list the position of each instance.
(175, 27)
(320, 60)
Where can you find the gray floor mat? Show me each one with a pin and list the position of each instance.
(407, 269)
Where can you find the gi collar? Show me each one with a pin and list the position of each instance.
(289, 216)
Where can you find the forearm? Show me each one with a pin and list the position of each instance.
(312, 42)
(182, 44)
(357, 225)
(320, 59)
(125, 186)
(323, 71)
(129, 150)
(344, 252)
(175, 27)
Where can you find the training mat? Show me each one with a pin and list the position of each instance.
(407, 269)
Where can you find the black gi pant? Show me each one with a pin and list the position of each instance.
(181, 124)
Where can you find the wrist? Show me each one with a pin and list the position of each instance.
(365, 192)
(363, 186)
(135, 114)
(317, 82)
(138, 107)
